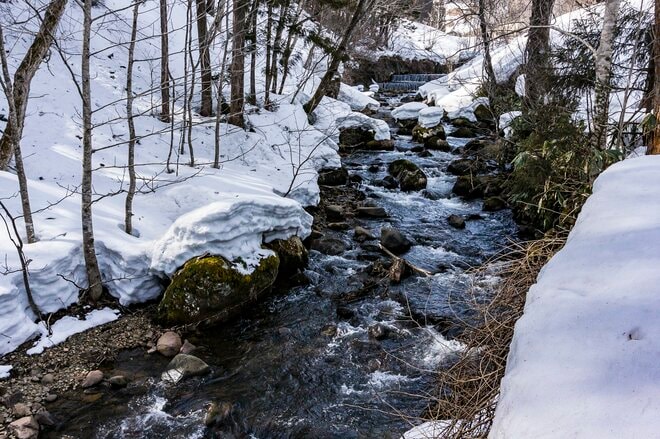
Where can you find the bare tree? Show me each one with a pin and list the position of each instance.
(238, 64)
(94, 280)
(164, 64)
(537, 53)
(15, 142)
(24, 74)
(604, 72)
(206, 108)
(654, 144)
(128, 220)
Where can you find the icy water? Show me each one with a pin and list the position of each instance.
(303, 365)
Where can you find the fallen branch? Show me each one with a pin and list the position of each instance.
(396, 271)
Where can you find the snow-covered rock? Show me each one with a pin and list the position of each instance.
(585, 354)
(520, 85)
(358, 120)
(408, 111)
(357, 100)
(430, 117)
(4, 371)
(233, 228)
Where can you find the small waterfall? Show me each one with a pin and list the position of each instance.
(401, 86)
(416, 77)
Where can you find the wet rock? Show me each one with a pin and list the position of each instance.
(463, 122)
(425, 154)
(388, 182)
(217, 413)
(212, 289)
(493, 204)
(360, 234)
(477, 145)
(187, 348)
(379, 145)
(421, 134)
(334, 212)
(355, 178)
(483, 113)
(92, 379)
(464, 167)
(333, 177)
(463, 132)
(409, 175)
(183, 366)
(437, 144)
(456, 221)
(292, 254)
(394, 241)
(329, 330)
(169, 344)
(329, 246)
(45, 418)
(25, 428)
(470, 187)
(373, 168)
(118, 381)
(378, 331)
(345, 313)
(339, 226)
(371, 212)
(406, 126)
(51, 397)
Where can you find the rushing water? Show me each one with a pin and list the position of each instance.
(296, 367)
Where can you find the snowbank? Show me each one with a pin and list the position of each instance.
(4, 371)
(584, 361)
(430, 117)
(409, 111)
(358, 120)
(506, 120)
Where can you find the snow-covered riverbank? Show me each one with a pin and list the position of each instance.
(585, 358)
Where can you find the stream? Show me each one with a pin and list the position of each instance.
(338, 358)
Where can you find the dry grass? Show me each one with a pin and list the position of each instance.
(468, 390)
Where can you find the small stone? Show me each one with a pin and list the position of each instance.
(118, 381)
(345, 313)
(25, 428)
(361, 234)
(371, 212)
(183, 366)
(216, 413)
(48, 379)
(456, 221)
(378, 331)
(493, 204)
(187, 348)
(169, 344)
(21, 410)
(394, 241)
(92, 379)
(334, 212)
(329, 330)
(51, 397)
(152, 350)
(338, 226)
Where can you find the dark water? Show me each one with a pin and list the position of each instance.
(286, 370)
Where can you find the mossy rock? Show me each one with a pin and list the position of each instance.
(437, 144)
(470, 186)
(465, 167)
(420, 134)
(379, 145)
(211, 289)
(292, 253)
(463, 132)
(350, 138)
(333, 177)
(483, 113)
(463, 122)
(406, 126)
(409, 175)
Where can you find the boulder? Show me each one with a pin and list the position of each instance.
(334, 212)
(463, 122)
(394, 241)
(470, 187)
(409, 175)
(361, 234)
(292, 253)
(333, 177)
(492, 204)
(329, 246)
(406, 126)
(21, 410)
(378, 331)
(169, 344)
(420, 133)
(456, 221)
(388, 182)
(183, 366)
(118, 381)
(92, 379)
(354, 137)
(463, 132)
(437, 144)
(188, 348)
(26, 427)
(465, 167)
(212, 289)
(378, 145)
(371, 212)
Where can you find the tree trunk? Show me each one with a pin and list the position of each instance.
(291, 41)
(491, 79)
(164, 64)
(128, 220)
(238, 65)
(206, 108)
(252, 96)
(604, 73)
(277, 46)
(269, 51)
(337, 57)
(24, 74)
(654, 144)
(94, 280)
(16, 143)
(537, 54)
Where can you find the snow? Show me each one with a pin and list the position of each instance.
(428, 430)
(358, 120)
(430, 117)
(506, 121)
(585, 356)
(68, 326)
(358, 100)
(233, 228)
(273, 164)
(408, 111)
(4, 371)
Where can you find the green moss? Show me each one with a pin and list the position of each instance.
(213, 289)
(420, 134)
